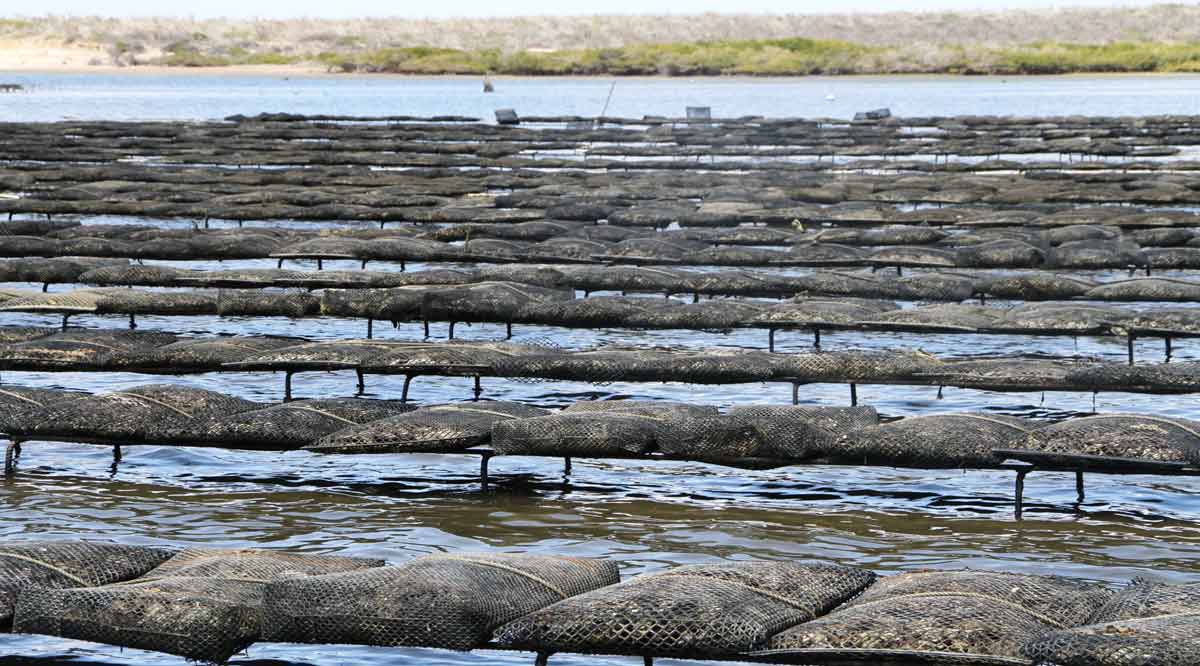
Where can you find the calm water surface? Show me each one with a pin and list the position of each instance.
(647, 516)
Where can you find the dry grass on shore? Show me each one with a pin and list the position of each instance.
(1156, 38)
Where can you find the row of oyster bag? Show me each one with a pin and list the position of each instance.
(207, 604)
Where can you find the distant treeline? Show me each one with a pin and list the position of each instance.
(1161, 38)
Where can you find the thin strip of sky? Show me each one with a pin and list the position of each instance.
(481, 8)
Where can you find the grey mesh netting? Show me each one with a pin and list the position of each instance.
(855, 366)
(939, 440)
(594, 429)
(712, 315)
(812, 311)
(438, 428)
(912, 256)
(892, 234)
(698, 611)
(563, 249)
(1035, 286)
(624, 278)
(1147, 599)
(999, 254)
(1163, 377)
(840, 283)
(1004, 374)
(251, 303)
(1117, 438)
(799, 433)
(938, 286)
(56, 270)
(292, 425)
(486, 301)
(1166, 640)
(78, 348)
(201, 604)
(1079, 232)
(595, 311)
(151, 413)
(654, 249)
(953, 618)
(713, 367)
(203, 354)
(18, 404)
(1173, 257)
(1060, 318)
(11, 334)
(943, 317)
(453, 357)
(1161, 321)
(1096, 254)
(394, 304)
(826, 254)
(451, 601)
(1146, 289)
(57, 564)
(132, 275)
(116, 300)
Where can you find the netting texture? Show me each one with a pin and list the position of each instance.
(693, 611)
(438, 428)
(955, 617)
(58, 564)
(1168, 640)
(152, 413)
(1120, 436)
(447, 601)
(295, 424)
(201, 604)
(936, 441)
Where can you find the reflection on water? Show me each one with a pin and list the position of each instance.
(645, 515)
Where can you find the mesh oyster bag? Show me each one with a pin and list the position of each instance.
(1007, 374)
(59, 564)
(1146, 289)
(486, 301)
(943, 317)
(450, 427)
(451, 601)
(1034, 286)
(1113, 440)
(201, 604)
(855, 366)
(1053, 318)
(801, 433)
(151, 413)
(944, 618)
(132, 275)
(195, 355)
(1145, 599)
(697, 611)
(1167, 640)
(250, 303)
(936, 441)
(18, 404)
(999, 254)
(595, 428)
(291, 425)
(78, 349)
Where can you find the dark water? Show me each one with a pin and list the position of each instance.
(647, 516)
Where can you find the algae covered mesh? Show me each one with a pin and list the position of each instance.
(938, 440)
(1117, 438)
(294, 424)
(448, 601)
(201, 604)
(59, 564)
(784, 434)
(1168, 640)
(965, 617)
(151, 413)
(438, 428)
(595, 428)
(697, 611)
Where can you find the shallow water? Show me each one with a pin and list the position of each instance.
(645, 515)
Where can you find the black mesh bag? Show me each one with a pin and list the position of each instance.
(60, 564)
(292, 425)
(1114, 440)
(201, 604)
(451, 601)
(430, 429)
(954, 618)
(935, 441)
(1167, 640)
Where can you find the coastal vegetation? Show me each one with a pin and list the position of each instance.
(1163, 38)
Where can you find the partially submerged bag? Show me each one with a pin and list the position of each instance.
(937, 441)
(201, 604)
(1167, 640)
(451, 427)
(968, 617)
(1115, 439)
(291, 425)
(697, 611)
(451, 601)
(60, 564)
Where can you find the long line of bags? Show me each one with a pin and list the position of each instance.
(746, 435)
(209, 604)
